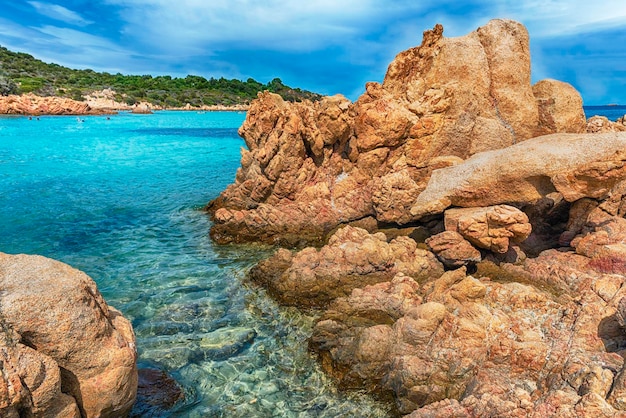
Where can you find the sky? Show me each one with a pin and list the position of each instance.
(326, 46)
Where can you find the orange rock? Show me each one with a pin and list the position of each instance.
(320, 165)
(58, 311)
(30, 104)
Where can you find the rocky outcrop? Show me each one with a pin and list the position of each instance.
(506, 340)
(66, 352)
(501, 182)
(105, 100)
(30, 104)
(310, 167)
(143, 108)
(601, 124)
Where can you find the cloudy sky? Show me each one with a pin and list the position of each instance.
(328, 46)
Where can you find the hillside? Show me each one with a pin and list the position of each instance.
(22, 73)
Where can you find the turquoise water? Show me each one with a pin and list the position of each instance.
(119, 198)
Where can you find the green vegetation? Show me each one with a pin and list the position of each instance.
(21, 73)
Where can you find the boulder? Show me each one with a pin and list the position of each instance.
(353, 258)
(491, 228)
(452, 249)
(67, 340)
(575, 165)
(310, 167)
(560, 107)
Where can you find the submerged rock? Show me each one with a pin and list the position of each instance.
(157, 393)
(225, 343)
(71, 353)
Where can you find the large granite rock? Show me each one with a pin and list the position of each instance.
(310, 167)
(575, 165)
(527, 314)
(67, 352)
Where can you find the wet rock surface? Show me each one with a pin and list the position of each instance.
(157, 393)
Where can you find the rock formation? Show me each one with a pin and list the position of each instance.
(310, 167)
(63, 351)
(488, 278)
(30, 104)
(574, 165)
(353, 258)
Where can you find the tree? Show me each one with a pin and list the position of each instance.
(7, 86)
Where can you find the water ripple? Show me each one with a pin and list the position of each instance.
(118, 199)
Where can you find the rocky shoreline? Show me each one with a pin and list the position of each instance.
(99, 103)
(468, 232)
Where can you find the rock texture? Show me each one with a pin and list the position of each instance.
(530, 339)
(453, 250)
(30, 104)
(65, 352)
(504, 296)
(574, 165)
(310, 167)
(492, 228)
(353, 258)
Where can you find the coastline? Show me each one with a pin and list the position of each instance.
(32, 105)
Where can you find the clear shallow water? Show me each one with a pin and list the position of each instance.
(119, 199)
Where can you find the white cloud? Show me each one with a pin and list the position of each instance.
(63, 14)
(273, 24)
(66, 46)
(564, 17)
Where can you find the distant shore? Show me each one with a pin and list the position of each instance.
(33, 105)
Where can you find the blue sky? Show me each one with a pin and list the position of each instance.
(328, 46)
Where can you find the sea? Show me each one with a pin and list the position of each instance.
(120, 198)
(613, 112)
